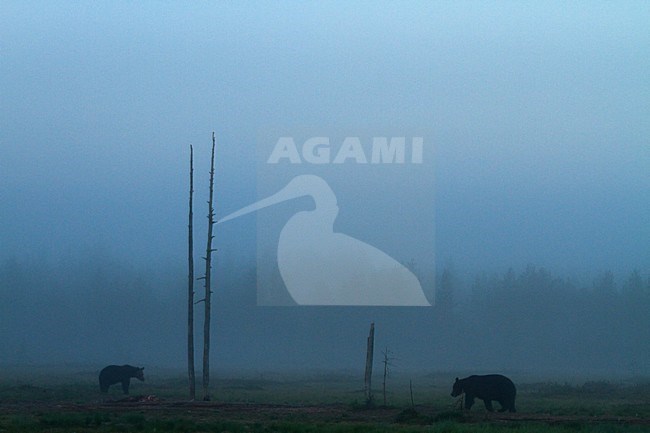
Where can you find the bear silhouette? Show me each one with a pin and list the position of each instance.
(113, 374)
(487, 388)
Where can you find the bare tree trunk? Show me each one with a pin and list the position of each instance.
(208, 291)
(190, 287)
(369, 356)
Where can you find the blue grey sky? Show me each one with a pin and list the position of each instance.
(538, 113)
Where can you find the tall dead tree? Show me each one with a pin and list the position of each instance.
(208, 291)
(190, 286)
(369, 355)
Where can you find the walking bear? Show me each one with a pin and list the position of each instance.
(487, 388)
(119, 373)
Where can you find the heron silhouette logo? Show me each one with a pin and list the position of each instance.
(323, 267)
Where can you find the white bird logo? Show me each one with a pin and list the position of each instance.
(321, 267)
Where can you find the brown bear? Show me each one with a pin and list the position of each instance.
(119, 373)
(487, 388)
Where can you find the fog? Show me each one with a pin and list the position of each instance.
(528, 226)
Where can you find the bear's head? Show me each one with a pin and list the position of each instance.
(457, 389)
(139, 373)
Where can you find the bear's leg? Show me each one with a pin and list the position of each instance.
(488, 405)
(125, 386)
(507, 405)
(469, 401)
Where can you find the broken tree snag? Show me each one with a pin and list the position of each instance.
(208, 292)
(369, 355)
(387, 364)
(190, 287)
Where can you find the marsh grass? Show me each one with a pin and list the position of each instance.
(30, 402)
(109, 423)
(287, 427)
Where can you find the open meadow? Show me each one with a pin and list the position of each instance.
(55, 400)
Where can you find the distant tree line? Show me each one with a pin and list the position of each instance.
(100, 310)
(534, 318)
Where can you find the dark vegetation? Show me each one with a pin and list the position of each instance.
(56, 401)
(102, 311)
(535, 320)
(592, 338)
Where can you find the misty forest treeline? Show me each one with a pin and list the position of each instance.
(542, 320)
(98, 310)
(89, 310)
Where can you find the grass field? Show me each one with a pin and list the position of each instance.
(68, 400)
